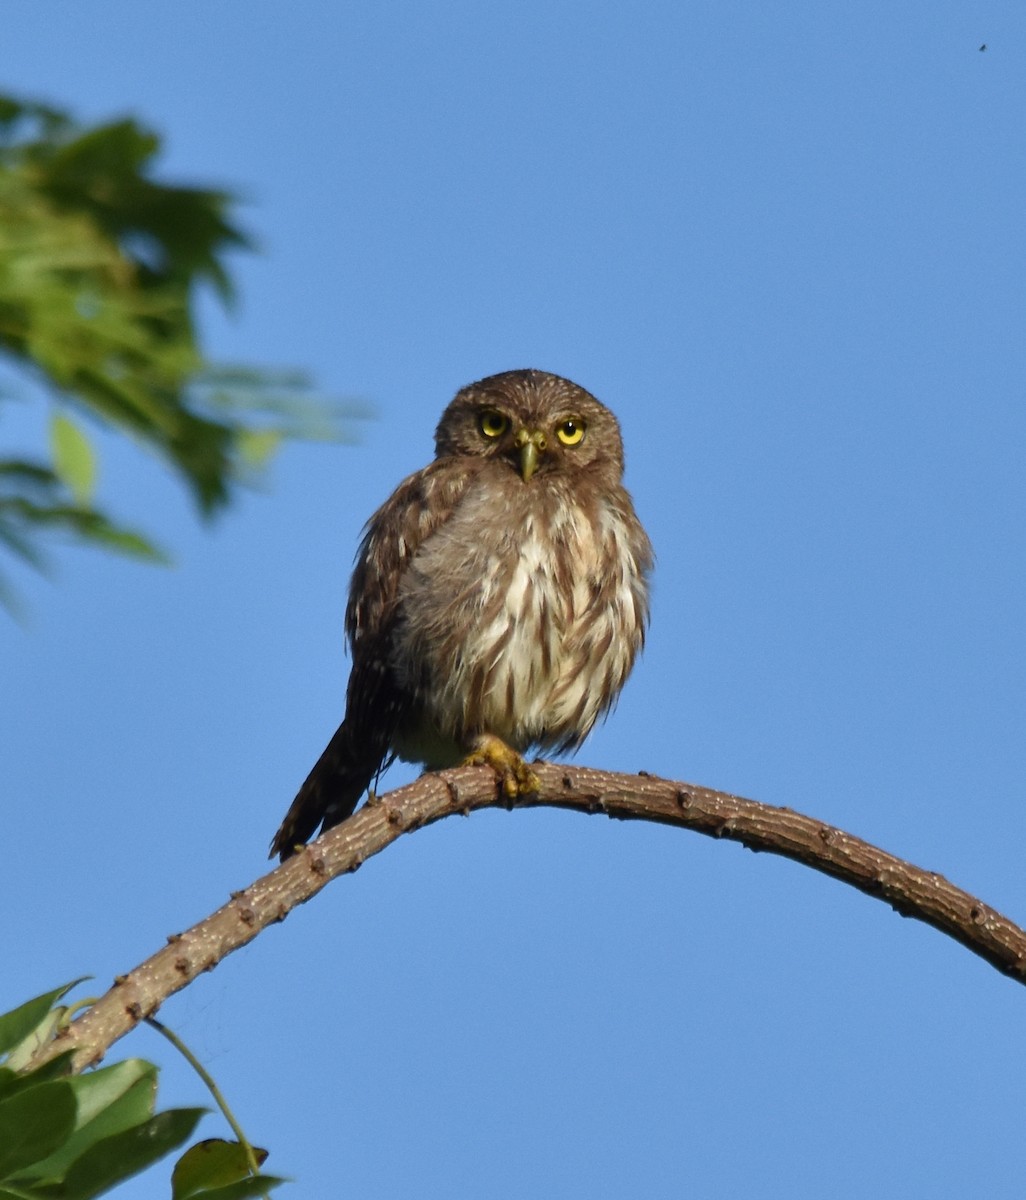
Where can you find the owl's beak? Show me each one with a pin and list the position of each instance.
(530, 444)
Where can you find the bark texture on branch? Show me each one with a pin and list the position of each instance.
(908, 889)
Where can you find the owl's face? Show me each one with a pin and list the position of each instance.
(534, 423)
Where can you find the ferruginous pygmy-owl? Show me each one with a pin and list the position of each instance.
(499, 599)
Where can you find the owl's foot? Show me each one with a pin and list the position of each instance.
(515, 777)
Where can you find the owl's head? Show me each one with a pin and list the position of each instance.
(535, 422)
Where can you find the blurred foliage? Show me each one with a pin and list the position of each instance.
(100, 265)
(73, 1137)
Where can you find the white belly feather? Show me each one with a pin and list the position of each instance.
(527, 633)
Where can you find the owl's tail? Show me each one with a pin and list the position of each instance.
(331, 791)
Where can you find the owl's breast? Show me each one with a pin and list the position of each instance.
(521, 616)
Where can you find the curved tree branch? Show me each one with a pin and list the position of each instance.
(908, 889)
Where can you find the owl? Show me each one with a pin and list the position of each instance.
(499, 598)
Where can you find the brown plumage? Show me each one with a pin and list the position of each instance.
(499, 593)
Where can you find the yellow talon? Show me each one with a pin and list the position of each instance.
(515, 777)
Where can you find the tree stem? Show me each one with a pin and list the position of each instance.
(910, 890)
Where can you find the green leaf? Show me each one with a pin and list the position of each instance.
(213, 1163)
(122, 1155)
(19, 1023)
(110, 1100)
(130, 1085)
(33, 1123)
(73, 458)
(12, 111)
(257, 446)
(255, 1185)
(93, 526)
(54, 1068)
(43, 1032)
(28, 474)
(89, 524)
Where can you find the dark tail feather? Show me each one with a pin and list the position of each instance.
(330, 794)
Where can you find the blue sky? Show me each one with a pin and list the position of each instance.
(786, 245)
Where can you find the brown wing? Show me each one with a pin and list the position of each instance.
(375, 702)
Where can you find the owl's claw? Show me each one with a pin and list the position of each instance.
(515, 777)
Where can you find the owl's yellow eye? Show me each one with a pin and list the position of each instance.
(493, 423)
(571, 431)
